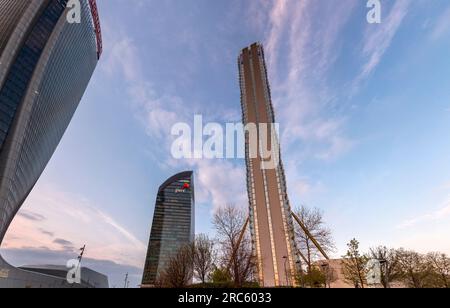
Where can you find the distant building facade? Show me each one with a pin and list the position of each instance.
(48, 276)
(45, 66)
(271, 222)
(173, 224)
(335, 278)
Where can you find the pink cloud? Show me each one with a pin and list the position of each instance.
(73, 219)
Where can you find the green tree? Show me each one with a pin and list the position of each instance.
(315, 278)
(354, 265)
(220, 276)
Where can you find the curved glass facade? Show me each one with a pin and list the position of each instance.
(21, 71)
(173, 224)
(40, 88)
(11, 11)
(45, 66)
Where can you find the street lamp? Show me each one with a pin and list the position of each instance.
(384, 271)
(285, 270)
(325, 267)
(300, 268)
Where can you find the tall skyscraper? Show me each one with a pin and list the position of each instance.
(45, 66)
(271, 223)
(173, 224)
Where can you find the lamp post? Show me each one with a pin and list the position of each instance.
(285, 270)
(80, 257)
(127, 283)
(325, 267)
(300, 267)
(384, 272)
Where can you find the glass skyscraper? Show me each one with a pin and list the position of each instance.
(45, 66)
(173, 224)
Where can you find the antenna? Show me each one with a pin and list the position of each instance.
(80, 257)
(127, 283)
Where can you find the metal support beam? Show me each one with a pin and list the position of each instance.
(235, 249)
(302, 256)
(308, 234)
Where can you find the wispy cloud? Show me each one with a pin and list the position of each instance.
(31, 216)
(221, 183)
(444, 186)
(158, 112)
(300, 81)
(442, 25)
(438, 215)
(47, 233)
(62, 242)
(294, 28)
(106, 219)
(277, 16)
(77, 223)
(378, 38)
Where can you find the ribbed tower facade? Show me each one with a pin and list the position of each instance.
(173, 224)
(271, 223)
(46, 63)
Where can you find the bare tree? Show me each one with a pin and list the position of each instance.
(390, 267)
(415, 270)
(204, 257)
(440, 265)
(178, 272)
(354, 266)
(313, 221)
(229, 223)
(160, 280)
(330, 275)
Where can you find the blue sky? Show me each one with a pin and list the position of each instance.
(364, 112)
